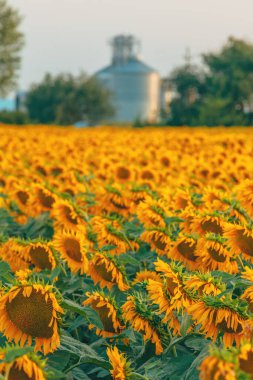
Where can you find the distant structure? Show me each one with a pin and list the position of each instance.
(135, 87)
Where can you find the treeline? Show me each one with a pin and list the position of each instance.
(219, 92)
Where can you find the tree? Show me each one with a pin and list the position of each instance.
(65, 99)
(11, 43)
(187, 82)
(230, 77)
(219, 93)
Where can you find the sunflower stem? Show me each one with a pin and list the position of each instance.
(174, 350)
(240, 262)
(128, 242)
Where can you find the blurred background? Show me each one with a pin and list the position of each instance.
(91, 62)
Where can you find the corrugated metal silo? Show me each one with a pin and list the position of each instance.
(135, 87)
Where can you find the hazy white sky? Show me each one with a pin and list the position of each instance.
(72, 35)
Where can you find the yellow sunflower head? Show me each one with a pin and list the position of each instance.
(207, 224)
(31, 312)
(240, 240)
(213, 254)
(245, 195)
(215, 366)
(159, 240)
(105, 270)
(245, 358)
(72, 247)
(137, 313)
(40, 254)
(14, 253)
(66, 215)
(107, 311)
(220, 316)
(25, 367)
(42, 199)
(146, 275)
(120, 368)
(184, 251)
(204, 284)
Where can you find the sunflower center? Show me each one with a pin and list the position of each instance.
(2, 182)
(32, 315)
(19, 374)
(103, 272)
(68, 215)
(219, 257)
(104, 317)
(41, 170)
(187, 250)
(165, 162)
(159, 243)
(40, 257)
(73, 249)
(147, 175)
(171, 286)
(223, 326)
(123, 173)
(22, 196)
(212, 226)
(245, 243)
(45, 200)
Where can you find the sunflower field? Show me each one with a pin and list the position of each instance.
(126, 254)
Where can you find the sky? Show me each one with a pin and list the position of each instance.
(73, 35)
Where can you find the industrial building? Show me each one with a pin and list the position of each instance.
(134, 86)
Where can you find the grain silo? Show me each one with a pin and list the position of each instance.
(135, 87)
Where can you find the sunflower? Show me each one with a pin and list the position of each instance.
(25, 367)
(245, 358)
(72, 247)
(240, 240)
(14, 254)
(247, 274)
(248, 293)
(184, 250)
(219, 316)
(141, 322)
(215, 368)
(42, 199)
(66, 215)
(182, 200)
(123, 173)
(152, 213)
(108, 314)
(208, 223)
(245, 195)
(104, 270)
(120, 367)
(115, 199)
(21, 195)
(188, 216)
(31, 311)
(159, 241)
(162, 295)
(109, 232)
(40, 254)
(138, 194)
(213, 254)
(175, 287)
(204, 284)
(146, 275)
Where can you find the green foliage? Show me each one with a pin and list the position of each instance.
(14, 117)
(11, 42)
(220, 93)
(65, 99)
